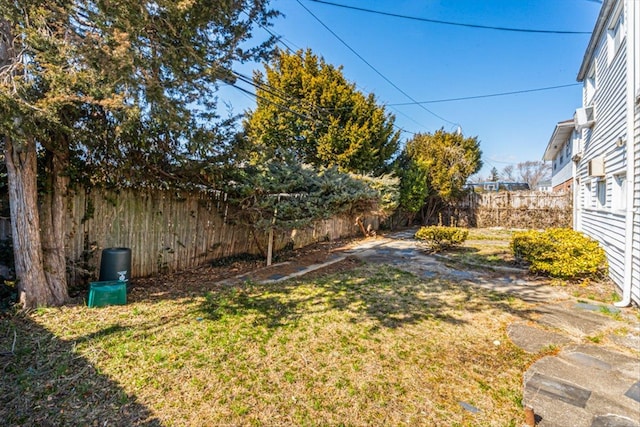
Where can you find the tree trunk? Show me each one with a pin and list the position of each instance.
(33, 288)
(53, 221)
(430, 208)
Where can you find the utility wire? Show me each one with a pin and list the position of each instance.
(286, 97)
(372, 67)
(283, 107)
(280, 39)
(457, 24)
(490, 95)
(269, 89)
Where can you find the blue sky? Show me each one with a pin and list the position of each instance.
(432, 61)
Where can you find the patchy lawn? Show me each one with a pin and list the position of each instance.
(371, 346)
(485, 247)
(489, 247)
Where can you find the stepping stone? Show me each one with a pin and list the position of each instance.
(634, 392)
(597, 307)
(613, 421)
(463, 275)
(558, 389)
(576, 322)
(469, 407)
(587, 360)
(630, 340)
(625, 365)
(276, 276)
(532, 339)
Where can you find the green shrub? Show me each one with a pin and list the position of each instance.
(559, 252)
(438, 237)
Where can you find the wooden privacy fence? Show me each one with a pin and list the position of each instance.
(518, 209)
(173, 230)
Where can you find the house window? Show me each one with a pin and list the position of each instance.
(587, 199)
(615, 33)
(567, 150)
(590, 86)
(601, 193)
(619, 192)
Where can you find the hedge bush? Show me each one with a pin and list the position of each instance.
(438, 237)
(560, 252)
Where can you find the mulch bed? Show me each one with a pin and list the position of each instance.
(199, 280)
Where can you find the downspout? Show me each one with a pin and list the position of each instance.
(575, 188)
(632, 35)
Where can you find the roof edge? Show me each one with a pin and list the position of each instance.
(549, 152)
(603, 16)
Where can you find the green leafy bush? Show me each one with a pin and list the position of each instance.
(559, 252)
(438, 237)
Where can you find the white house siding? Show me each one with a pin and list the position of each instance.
(562, 175)
(606, 223)
(611, 238)
(635, 288)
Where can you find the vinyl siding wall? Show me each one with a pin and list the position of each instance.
(635, 289)
(562, 175)
(605, 222)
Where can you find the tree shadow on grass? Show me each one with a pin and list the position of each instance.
(45, 383)
(390, 297)
(474, 257)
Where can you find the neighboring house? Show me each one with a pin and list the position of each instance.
(544, 185)
(497, 186)
(559, 152)
(607, 156)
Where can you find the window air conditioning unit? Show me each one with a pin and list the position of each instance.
(583, 117)
(596, 167)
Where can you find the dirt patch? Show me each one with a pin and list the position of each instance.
(206, 278)
(603, 290)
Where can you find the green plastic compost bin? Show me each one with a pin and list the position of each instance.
(115, 264)
(112, 292)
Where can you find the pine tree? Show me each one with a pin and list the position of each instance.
(307, 107)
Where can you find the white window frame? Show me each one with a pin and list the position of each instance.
(619, 192)
(615, 32)
(601, 193)
(587, 199)
(590, 86)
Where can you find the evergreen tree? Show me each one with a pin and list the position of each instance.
(445, 160)
(495, 175)
(306, 106)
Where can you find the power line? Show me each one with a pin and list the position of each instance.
(457, 24)
(280, 39)
(490, 95)
(373, 68)
(282, 107)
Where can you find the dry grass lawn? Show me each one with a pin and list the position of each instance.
(368, 347)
